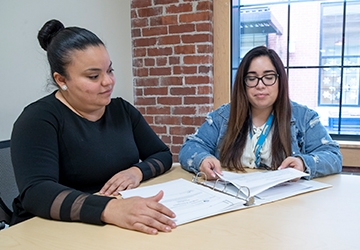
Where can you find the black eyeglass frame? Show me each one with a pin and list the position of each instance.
(261, 78)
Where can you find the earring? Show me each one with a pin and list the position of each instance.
(64, 87)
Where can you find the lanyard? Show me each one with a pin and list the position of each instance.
(262, 138)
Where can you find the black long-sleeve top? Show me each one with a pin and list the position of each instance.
(60, 159)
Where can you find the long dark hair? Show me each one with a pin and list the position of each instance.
(240, 123)
(59, 42)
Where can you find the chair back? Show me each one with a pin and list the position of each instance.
(8, 187)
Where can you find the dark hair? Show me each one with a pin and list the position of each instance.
(59, 42)
(240, 123)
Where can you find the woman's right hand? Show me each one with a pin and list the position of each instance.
(209, 165)
(146, 215)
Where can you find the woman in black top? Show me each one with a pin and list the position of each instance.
(78, 141)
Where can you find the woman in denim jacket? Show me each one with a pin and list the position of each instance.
(261, 127)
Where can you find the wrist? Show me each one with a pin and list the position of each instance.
(137, 173)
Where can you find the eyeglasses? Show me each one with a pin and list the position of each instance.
(268, 80)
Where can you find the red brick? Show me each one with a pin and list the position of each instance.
(204, 109)
(165, 119)
(182, 28)
(197, 79)
(183, 110)
(160, 71)
(200, 27)
(143, 42)
(135, 33)
(195, 17)
(139, 22)
(161, 61)
(179, 8)
(145, 100)
(158, 110)
(133, 14)
(171, 80)
(169, 40)
(174, 60)
(139, 91)
(166, 139)
(197, 100)
(149, 62)
(138, 62)
(169, 100)
(141, 72)
(159, 129)
(158, 2)
(183, 91)
(139, 52)
(156, 91)
(196, 38)
(175, 151)
(140, 3)
(185, 69)
(198, 59)
(154, 31)
(205, 69)
(182, 130)
(186, 49)
(178, 140)
(206, 5)
(205, 90)
(169, 19)
(160, 51)
(148, 12)
(205, 48)
(192, 120)
(147, 81)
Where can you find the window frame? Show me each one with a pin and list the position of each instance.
(226, 98)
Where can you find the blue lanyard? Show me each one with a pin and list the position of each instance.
(262, 138)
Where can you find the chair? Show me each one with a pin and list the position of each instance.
(8, 187)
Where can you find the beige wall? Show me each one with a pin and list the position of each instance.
(23, 64)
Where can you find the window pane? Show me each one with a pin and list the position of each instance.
(304, 36)
(303, 84)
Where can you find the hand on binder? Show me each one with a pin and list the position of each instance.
(209, 166)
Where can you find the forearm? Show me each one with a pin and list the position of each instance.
(191, 156)
(53, 201)
(322, 163)
(155, 165)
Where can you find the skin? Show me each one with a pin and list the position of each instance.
(262, 99)
(90, 81)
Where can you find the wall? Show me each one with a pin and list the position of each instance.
(173, 65)
(23, 64)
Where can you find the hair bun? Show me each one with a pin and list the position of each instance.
(48, 31)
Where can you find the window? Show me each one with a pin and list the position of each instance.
(319, 44)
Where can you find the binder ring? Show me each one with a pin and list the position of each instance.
(199, 174)
(249, 200)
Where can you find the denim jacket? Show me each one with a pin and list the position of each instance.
(309, 140)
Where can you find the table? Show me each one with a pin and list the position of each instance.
(324, 219)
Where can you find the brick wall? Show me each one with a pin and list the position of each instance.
(173, 65)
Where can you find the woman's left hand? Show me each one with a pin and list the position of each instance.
(127, 179)
(293, 162)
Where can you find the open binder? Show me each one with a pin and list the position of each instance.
(191, 202)
(247, 186)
